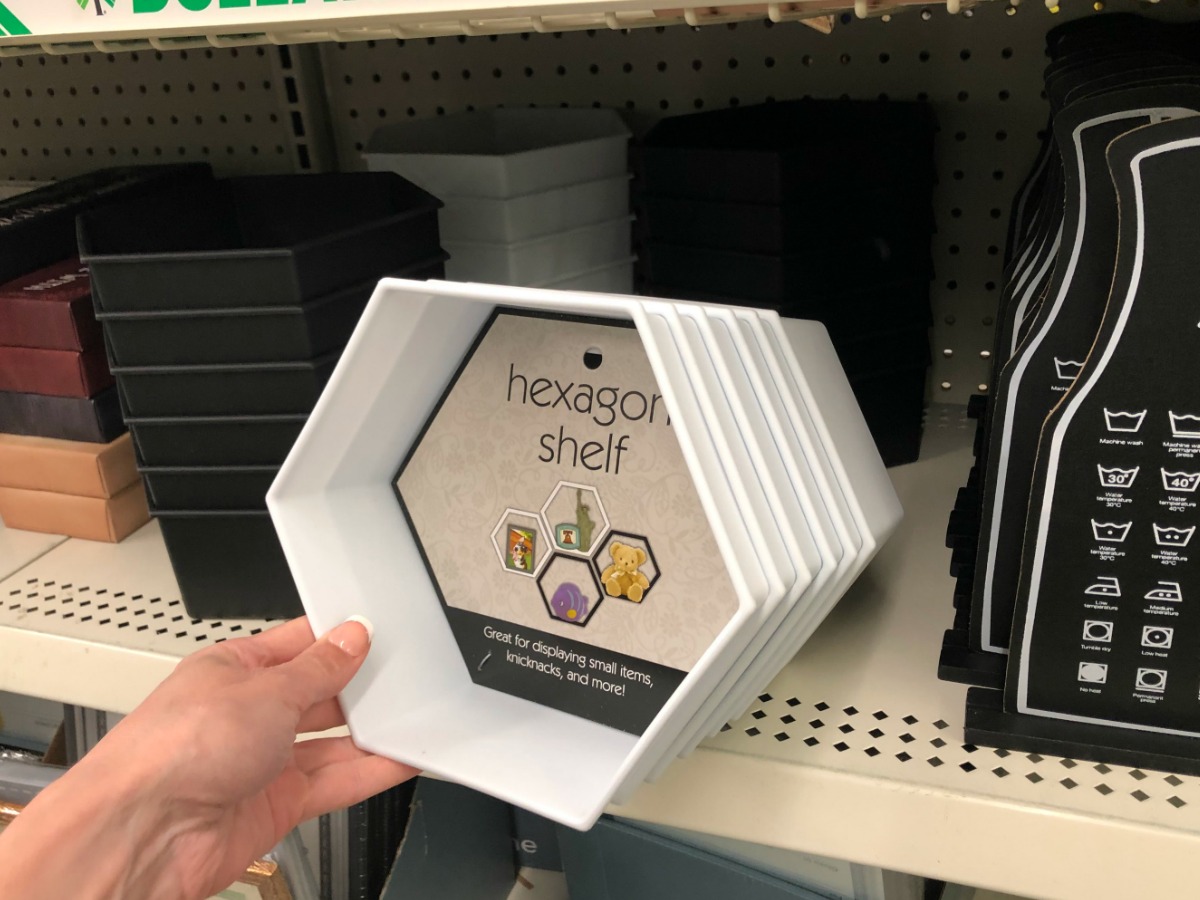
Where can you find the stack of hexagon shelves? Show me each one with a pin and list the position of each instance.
(589, 529)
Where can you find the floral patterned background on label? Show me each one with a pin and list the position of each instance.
(476, 476)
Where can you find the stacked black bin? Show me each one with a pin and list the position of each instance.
(817, 209)
(225, 308)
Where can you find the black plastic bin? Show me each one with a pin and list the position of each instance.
(263, 241)
(901, 348)
(216, 390)
(818, 272)
(216, 441)
(246, 335)
(37, 228)
(893, 403)
(209, 487)
(229, 565)
(96, 420)
(898, 304)
(777, 228)
(777, 152)
(901, 304)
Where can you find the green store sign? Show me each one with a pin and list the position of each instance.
(10, 24)
(154, 6)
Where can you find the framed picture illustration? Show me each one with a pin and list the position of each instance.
(521, 549)
(262, 881)
(8, 812)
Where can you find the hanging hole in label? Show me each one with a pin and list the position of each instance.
(592, 357)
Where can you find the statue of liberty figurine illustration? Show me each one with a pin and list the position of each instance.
(584, 522)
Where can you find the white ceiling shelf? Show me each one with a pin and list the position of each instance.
(854, 752)
(35, 26)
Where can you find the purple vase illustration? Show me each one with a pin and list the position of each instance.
(569, 603)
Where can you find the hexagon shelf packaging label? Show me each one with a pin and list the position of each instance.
(560, 525)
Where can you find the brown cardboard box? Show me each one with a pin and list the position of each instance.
(89, 518)
(50, 309)
(67, 467)
(57, 373)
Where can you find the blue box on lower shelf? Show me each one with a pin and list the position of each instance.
(620, 861)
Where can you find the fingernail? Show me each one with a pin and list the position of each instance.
(353, 636)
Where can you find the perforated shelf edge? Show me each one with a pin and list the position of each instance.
(855, 752)
(99, 625)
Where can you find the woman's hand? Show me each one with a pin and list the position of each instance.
(205, 776)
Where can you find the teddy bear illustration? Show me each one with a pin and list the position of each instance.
(623, 578)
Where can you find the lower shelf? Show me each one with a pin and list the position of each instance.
(855, 752)
(99, 625)
(19, 548)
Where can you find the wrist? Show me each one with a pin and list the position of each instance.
(100, 822)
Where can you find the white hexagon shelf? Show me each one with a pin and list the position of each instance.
(352, 552)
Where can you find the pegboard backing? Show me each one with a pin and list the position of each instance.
(260, 109)
(981, 71)
(64, 115)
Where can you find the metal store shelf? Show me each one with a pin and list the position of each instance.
(19, 548)
(98, 625)
(855, 751)
(33, 26)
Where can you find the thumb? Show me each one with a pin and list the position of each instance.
(326, 667)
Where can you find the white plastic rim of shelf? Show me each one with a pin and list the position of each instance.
(856, 750)
(100, 625)
(788, 573)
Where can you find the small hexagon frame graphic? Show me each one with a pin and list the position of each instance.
(556, 532)
(599, 565)
(564, 605)
(513, 519)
